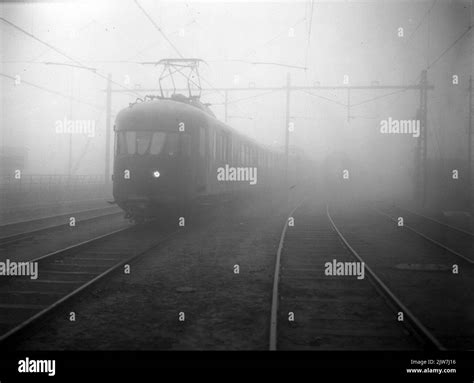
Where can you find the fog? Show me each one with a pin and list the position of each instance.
(56, 57)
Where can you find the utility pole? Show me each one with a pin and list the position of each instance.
(69, 163)
(469, 149)
(348, 104)
(287, 124)
(69, 170)
(225, 105)
(107, 128)
(421, 161)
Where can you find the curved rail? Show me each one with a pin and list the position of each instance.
(276, 277)
(416, 326)
(412, 322)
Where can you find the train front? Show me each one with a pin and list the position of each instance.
(152, 163)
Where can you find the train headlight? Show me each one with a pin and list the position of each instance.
(156, 174)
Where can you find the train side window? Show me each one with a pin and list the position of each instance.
(186, 145)
(224, 148)
(221, 151)
(202, 142)
(131, 142)
(157, 142)
(223, 143)
(214, 144)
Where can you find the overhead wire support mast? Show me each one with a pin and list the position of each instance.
(470, 168)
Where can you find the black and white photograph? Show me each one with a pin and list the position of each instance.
(237, 183)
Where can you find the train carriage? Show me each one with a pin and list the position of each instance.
(168, 152)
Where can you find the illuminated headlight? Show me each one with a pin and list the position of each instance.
(156, 174)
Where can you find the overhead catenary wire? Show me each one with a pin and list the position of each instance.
(309, 34)
(158, 29)
(175, 48)
(59, 51)
(423, 18)
(446, 50)
(55, 92)
(325, 98)
(247, 98)
(429, 66)
(276, 37)
(379, 97)
(449, 48)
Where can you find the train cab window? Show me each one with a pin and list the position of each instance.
(121, 146)
(143, 142)
(157, 142)
(131, 141)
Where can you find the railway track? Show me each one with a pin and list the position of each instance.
(15, 232)
(312, 310)
(454, 240)
(458, 229)
(433, 282)
(63, 274)
(15, 214)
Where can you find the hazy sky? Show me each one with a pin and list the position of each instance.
(331, 40)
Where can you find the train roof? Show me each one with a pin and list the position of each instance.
(166, 113)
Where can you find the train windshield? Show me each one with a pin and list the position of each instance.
(143, 142)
